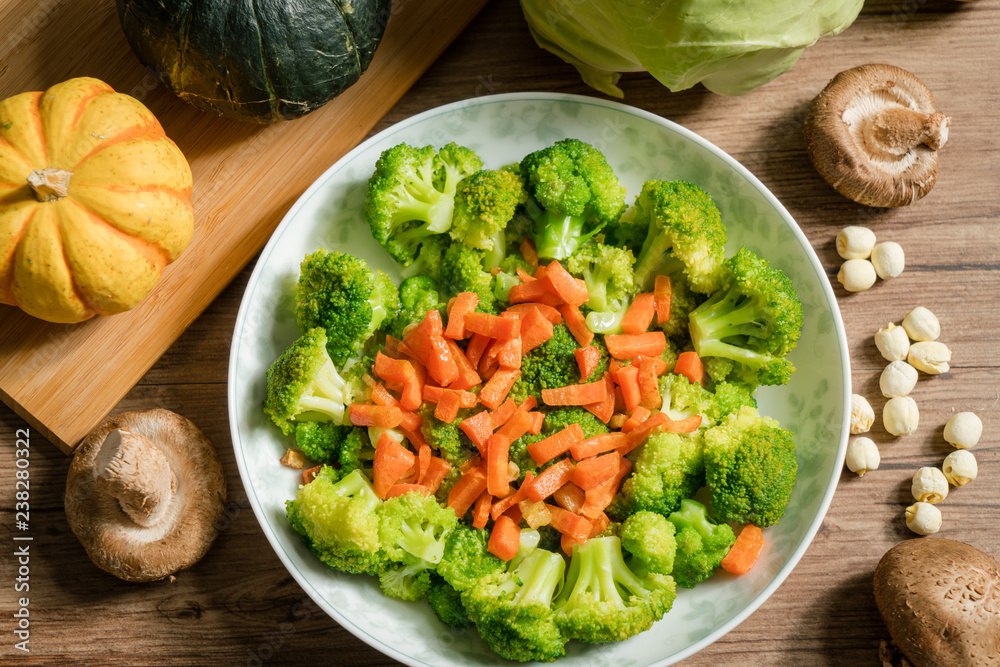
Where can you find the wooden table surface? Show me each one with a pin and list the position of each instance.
(239, 605)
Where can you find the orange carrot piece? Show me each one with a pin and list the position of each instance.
(535, 330)
(505, 503)
(639, 415)
(309, 474)
(571, 290)
(587, 359)
(381, 396)
(516, 426)
(663, 292)
(599, 524)
(404, 372)
(538, 418)
(603, 410)
(493, 326)
(548, 312)
(497, 458)
(567, 543)
(437, 470)
(415, 437)
(524, 275)
(535, 290)
(556, 444)
(479, 428)
(391, 347)
(528, 404)
(627, 378)
(744, 552)
(576, 394)
(631, 346)
(638, 435)
(496, 389)
(467, 375)
(689, 365)
(410, 421)
(535, 514)
(432, 394)
(463, 304)
(447, 408)
(640, 313)
(475, 348)
(577, 324)
(368, 414)
(481, 510)
(571, 524)
(392, 462)
(649, 388)
(503, 412)
(596, 500)
(417, 339)
(598, 445)
(569, 496)
(528, 252)
(550, 479)
(441, 366)
(595, 471)
(514, 513)
(505, 539)
(507, 352)
(467, 489)
(400, 489)
(686, 425)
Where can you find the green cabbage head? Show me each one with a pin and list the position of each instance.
(731, 46)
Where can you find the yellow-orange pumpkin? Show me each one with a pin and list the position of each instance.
(94, 201)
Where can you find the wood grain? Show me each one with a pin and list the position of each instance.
(239, 605)
(63, 379)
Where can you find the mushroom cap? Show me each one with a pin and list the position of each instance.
(940, 600)
(837, 135)
(186, 529)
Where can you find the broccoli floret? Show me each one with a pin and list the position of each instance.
(304, 385)
(406, 582)
(607, 271)
(701, 543)
(557, 420)
(429, 258)
(339, 522)
(668, 468)
(411, 195)
(682, 301)
(750, 468)
(683, 398)
(465, 560)
(320, 441)
(338, 292)
(447, 604)
(484, 203)
(356, 453)
(462, 271)
(649, 537)
(574, 194)
(754, 320)
(519, 456)
(604, 600)
(553, 364)
(629, 231)
(513, 610)
(448, 439)
(685, 235)
(417, 295)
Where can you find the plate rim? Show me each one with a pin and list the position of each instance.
(827, 290)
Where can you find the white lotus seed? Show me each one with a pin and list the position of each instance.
(960, 467)
(923, 518)
(929, 485)
(897, 379)
(887, 259)
(862, 456)
(855, 242)
(892, 342)
(856, 275)
(963, 430)
(862, 415)
(921, 324)
(900, 415)
(929, 356)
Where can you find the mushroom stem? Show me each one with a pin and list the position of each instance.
(49, 184)
(131, 469)
(898, 130)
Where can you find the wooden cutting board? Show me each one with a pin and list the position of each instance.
(63, 379)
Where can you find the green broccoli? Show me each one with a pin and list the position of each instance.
(452, 444)
(304, 385)
(413, 530)
(754, 320)
(605, 601)
(750, 468)
(462, 271)
(417, 295)
(649, 537)
(447, 604)
(411, 195)
(465, 560)
(701, 543)
(484, 203)
(668, 468)
(519, 456)
(557, 420)
(356, 453)
(429, 258)
(338, 292)
(553, 364)
(685, 235)
(320, 441)
(682, 301)
(518, 229)
(574, 194)
(607, 271)
(684, 398)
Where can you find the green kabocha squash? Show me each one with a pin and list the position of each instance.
(255, 60)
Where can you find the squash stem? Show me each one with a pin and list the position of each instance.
(49, 184)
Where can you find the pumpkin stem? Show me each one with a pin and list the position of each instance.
(49, 184)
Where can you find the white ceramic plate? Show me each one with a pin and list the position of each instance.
(639, 146)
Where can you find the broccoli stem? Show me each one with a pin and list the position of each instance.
(557, 235)
(726, 317)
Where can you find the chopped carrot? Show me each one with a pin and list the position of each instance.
(437, 470)
(441, 366)
(540, 271)
(309, 474)
(639, 415)
(493, 326)
(447, 408)
(391, 347)
(604, 409)
(598, 444)
(528, 252)
(596, 470)
(630, 346)
(495, 390)
(535, 290)
(432, 394)
(535, 330)
(381, 396)
(481, 510)
(587, 358)
(596, 500)
(627, 378)
(404, 372)
(689, 365)
(368, 414)
(649, 388)
(571, 290)
(488, 363)
(569, 496)
(497, 458)
(400, 489)
(417, 339)
(528, 404)
(505, 539)
(576, 394)
(514, 513)
(577, 324)
(686, 425)
(640, 313)
(524, 275)
(463, 304)
(599, 524)
(392, 462)
(479, 428)
(410, 421)
(415, 437)
(744, 552)
(619, 400)
(638, 435)
(535, 514)
(503, 412)
(475, 348)
(505, 503)
(571, 524)
(550, 479)
(516, 426)
(538, 418)
(548, 312)
(556, 444)
(567, 543)
(468, 487)
(467, 375)
(507, 352)
(662, 291)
